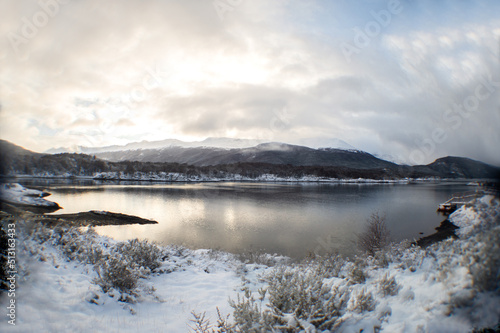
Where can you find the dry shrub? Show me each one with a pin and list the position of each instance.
(376, 235)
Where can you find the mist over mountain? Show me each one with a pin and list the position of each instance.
(209, 142)
(212, 142)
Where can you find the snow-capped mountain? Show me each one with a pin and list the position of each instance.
(211, 142)
(270, 152)
(226, 143)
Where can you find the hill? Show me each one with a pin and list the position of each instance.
(272, 153)
(204, 163)
(461, 167)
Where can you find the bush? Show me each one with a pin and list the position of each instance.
(201, 324)
(355, 271)
(298, 297)
(125, 264)
(141, 253)
(119, 267)
(376, 236)
(362, 301)
(93, 254)
(249, 316)
(328, 267)
(116, 273)
(388, 285)
(485, 267)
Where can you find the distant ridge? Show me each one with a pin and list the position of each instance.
(461, 167)
(211, 142)
(270, 152)
(268, 158)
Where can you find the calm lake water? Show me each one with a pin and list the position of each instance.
(292, 219)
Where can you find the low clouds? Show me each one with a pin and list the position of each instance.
(110, 73)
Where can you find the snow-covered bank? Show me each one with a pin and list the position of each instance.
(19, 195)
(451, 286)
(180, 177)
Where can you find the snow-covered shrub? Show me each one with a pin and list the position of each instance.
(294, 291)
(388, 285)
(380, 259)
(249, 316)
(485, 261)
(329, 266)
(141, 253)
(93, 254)
(202, 324)
(116, 272)
(38, 232)
(362, 301)
(119, 266)
(125, 264)
(72, 247)
(253, 257)
(299, 298)
(79, 245)
(406, 255)
(355, 272)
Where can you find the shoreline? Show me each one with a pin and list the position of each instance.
(261, 179)
(445, 230)
(91, 218)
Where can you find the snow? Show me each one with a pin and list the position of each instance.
(54, 294)
(211, 142)
(435, 287)
(468, 217)
(180, 177)
(18, 194)
(223, 143)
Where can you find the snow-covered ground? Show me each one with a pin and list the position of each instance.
(55, 294)
(18, 194)
(452, 286)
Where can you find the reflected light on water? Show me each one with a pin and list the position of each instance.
(289, 219)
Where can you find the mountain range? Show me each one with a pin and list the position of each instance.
(216, 151)
(272, 153)
(270, 157)
(212, 142)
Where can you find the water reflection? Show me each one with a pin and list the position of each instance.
(290, 219)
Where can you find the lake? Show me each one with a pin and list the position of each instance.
(292, 219)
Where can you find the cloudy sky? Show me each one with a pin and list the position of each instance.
(415, 80)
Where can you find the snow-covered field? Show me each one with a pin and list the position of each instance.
(452, 286)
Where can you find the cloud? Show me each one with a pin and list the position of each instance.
(102, 74)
